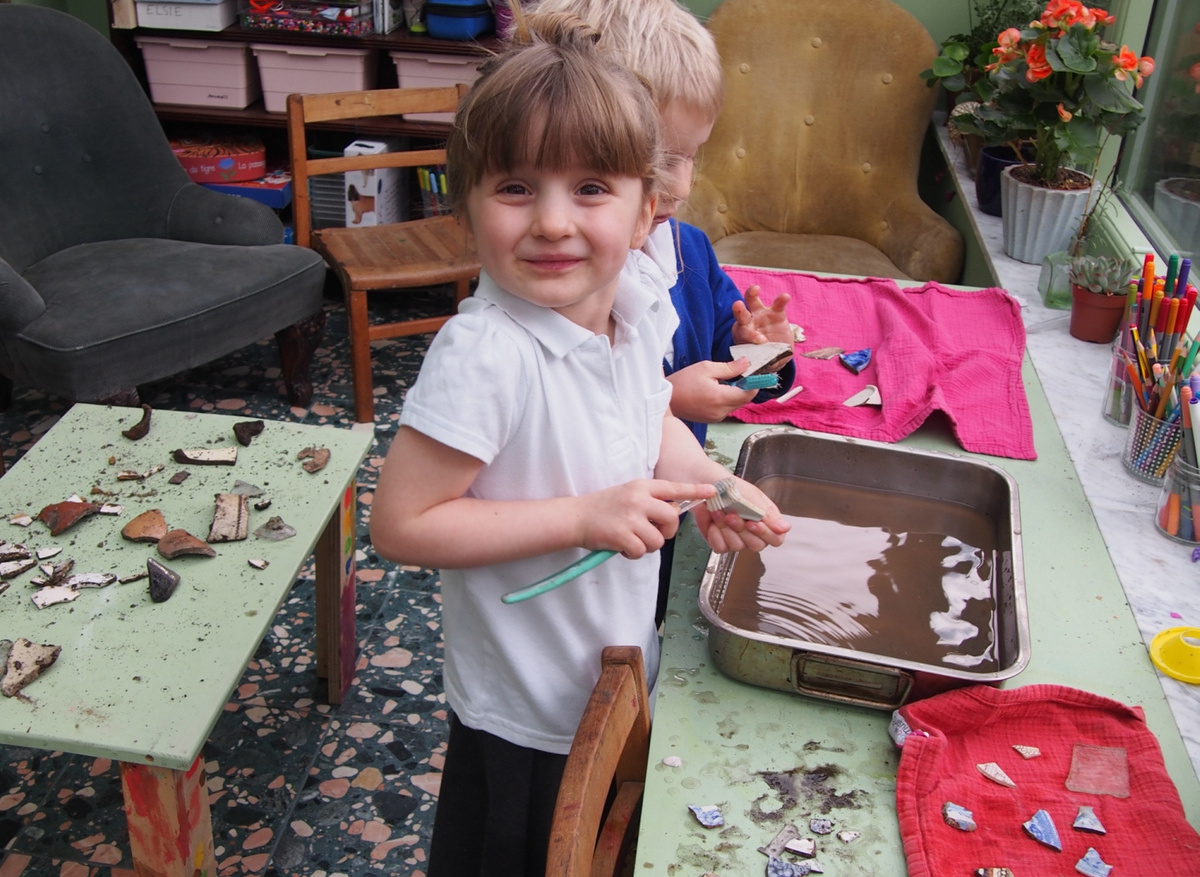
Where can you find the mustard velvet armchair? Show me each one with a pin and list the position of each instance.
(814, 159)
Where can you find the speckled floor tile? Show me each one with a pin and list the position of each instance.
(297, 787)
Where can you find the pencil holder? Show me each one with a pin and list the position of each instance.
(1179, 502)
(1150, 446)
(1120, 398)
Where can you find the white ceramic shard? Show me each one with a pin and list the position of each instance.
(996, 774)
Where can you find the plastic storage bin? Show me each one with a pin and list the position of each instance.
(433, 70)
(187, 16)
(310, 70)
(199, 72)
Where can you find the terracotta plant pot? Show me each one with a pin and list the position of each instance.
(1094, 316)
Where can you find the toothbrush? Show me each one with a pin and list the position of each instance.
(727, 498)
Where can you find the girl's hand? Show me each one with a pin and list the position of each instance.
(697, 393)
(756, 323)
(637, 517)
(725, 531)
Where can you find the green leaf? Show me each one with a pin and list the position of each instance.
(1111, 94)
(943, 67)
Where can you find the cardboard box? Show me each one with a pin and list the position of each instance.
(288, 70)
(434, 70)
(187, 16)
(199, 72)
(373, 197)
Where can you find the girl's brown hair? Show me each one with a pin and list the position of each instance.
(553, 100)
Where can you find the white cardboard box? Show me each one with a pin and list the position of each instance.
(433, 70)
(199, 72)
(373, 197)
(310, 70)
(187, 16)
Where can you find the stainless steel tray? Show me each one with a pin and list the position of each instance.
(859, 673)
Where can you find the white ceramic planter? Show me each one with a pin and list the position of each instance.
(1037, 221)
(1179, 215)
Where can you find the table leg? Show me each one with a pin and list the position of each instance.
(170, 827)
(337, 639)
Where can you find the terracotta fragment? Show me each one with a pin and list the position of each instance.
(179, 477)
(61, 516)
(245, 431)
(26, 662)
(175, 543)
(149, 526)
(140, 429)
(206, 456)
(315, 458)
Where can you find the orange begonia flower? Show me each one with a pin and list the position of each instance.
(1035, 57)
(1064, 114)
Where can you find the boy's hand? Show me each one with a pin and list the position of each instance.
(756, 323)
(636, 517)
(725, 531)
(697, 393)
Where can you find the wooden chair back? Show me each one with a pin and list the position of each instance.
(404, 255)
(591, 837)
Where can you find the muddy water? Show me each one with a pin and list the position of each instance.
(879, 572)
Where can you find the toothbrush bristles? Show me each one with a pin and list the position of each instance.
(729, 499)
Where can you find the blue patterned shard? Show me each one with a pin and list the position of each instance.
(1041, 828)
(958, 816)
(857, 360)
(780, 868)
(1087, 820)
(820, 826)
(709, 817)
(1092, 865)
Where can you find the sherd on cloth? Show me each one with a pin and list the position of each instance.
(1147, 834)
(932, 348)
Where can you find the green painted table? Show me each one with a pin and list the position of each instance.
(767, 758)
(142, 682)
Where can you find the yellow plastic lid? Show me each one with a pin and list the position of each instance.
(1176, 651)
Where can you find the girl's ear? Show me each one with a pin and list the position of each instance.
(645, 223)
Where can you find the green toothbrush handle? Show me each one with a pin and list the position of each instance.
(561, 577)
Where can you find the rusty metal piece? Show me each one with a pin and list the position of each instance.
(149, 526)
(61, 516)
(206, 456)
(178, 542)
(245, 431)
(315, 458)
(140, 429)
(231, 518)
(26, 662)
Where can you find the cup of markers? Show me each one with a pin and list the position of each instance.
(434, 200)
(1178, 512)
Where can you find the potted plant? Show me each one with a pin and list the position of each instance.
(1176, 144)
(1055, 91)
(1099, 295)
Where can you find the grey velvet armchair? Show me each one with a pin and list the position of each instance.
(115, 268)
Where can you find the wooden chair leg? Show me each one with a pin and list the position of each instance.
(360, 355)
(297, 344)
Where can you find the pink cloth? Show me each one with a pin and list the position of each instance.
(932, 348)
(1147, 832)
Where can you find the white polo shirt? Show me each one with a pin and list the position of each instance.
(552, 410)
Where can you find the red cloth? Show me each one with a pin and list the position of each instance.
(931, 348)
(1147, 834)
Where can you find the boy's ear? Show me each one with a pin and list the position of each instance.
(645, 223)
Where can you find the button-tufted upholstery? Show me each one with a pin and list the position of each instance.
(813, 162)
(115, 268)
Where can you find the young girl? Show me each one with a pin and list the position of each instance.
(538, 430)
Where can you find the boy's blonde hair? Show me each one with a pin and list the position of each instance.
(554, 100)
(661, 40)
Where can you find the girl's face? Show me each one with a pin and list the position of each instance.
(559, 239)
(684, 131)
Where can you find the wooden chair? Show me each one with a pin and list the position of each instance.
(403, 255)
(607, 763)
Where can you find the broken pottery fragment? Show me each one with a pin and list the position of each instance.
(275, 529)
(90, 580)
(61, 516)
(1092, 865)
(179, 477)
(97, 490)
(245, 431)
(245, 488)
(206, 456)
(12, 568)
(59, 572)
(52, 595)
(315, 459)
(231, 518)
(136, 577)
(130, 475)
(47, 553)
(823, 353)
(1041, 828)
(856, 360)
(149, 526)
(848, 837)
(178, 542)
(706, 815)
(20, 520)
(110, 508)
(263, 504)
(1087, 820)
(996, 774)
(868, 395)
(820, 826)
(26, 662)
(802, 846)
(15, 551)
(140, 429)
(163, 580)
(1027, 751)
(258, 563)
(778, 844)
(780, 868)
(958, 816)
(994, 872)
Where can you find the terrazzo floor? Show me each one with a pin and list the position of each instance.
(296, 787)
